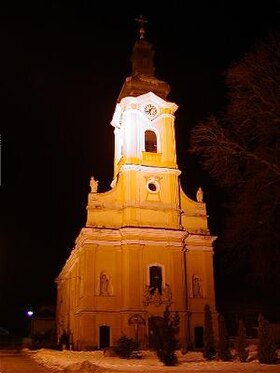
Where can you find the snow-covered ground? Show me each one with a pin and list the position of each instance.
(76, 361)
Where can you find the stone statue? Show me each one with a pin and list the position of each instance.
(104, 284)
(157, 298)
(196, 287)
(93, 185)
(147, 295)
(199, 195)
(167, 294)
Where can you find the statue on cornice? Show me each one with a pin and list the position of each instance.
(199, 195)
(93, 185)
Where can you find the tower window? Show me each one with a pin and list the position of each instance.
(153, 185)
(150, 141)
(155, 279)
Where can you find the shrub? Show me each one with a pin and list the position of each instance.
(241, 342)
(64, 341)
(266, 348)
(209, 342)
(165, 330)
(224, 348)
(125, 346)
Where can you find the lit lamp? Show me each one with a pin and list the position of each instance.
(29, 314)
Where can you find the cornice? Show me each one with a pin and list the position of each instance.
(134, 236)
(194, 240)
(150, 169)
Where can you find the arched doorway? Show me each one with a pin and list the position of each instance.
(104, 336)
(198, 337)
(138, 323)
(156, 326)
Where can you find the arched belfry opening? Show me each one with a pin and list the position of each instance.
(150, 141)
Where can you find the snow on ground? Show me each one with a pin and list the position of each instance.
(61, 361)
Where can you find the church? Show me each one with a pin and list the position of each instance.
(146, 245)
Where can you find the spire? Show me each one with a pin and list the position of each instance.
(142, 79)
(141, 22)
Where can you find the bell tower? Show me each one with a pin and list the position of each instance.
(145, 164)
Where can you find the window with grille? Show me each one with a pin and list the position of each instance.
(155, 279)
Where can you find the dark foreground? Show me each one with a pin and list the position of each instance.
(14, 361)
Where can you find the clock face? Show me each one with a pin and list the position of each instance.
(150, 110)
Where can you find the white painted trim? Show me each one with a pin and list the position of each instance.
(149, 169)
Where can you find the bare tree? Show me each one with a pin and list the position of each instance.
(209, 351)
(224, 351)
(266, 348)
(240, 148)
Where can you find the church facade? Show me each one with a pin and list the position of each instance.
(146, 245)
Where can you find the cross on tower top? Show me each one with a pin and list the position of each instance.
(141, 22)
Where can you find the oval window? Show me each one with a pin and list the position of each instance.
(152, 187)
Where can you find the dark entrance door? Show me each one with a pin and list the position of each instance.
(198, 336)
(104, 336)
(156, 324)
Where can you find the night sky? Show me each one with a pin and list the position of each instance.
(62, 68)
